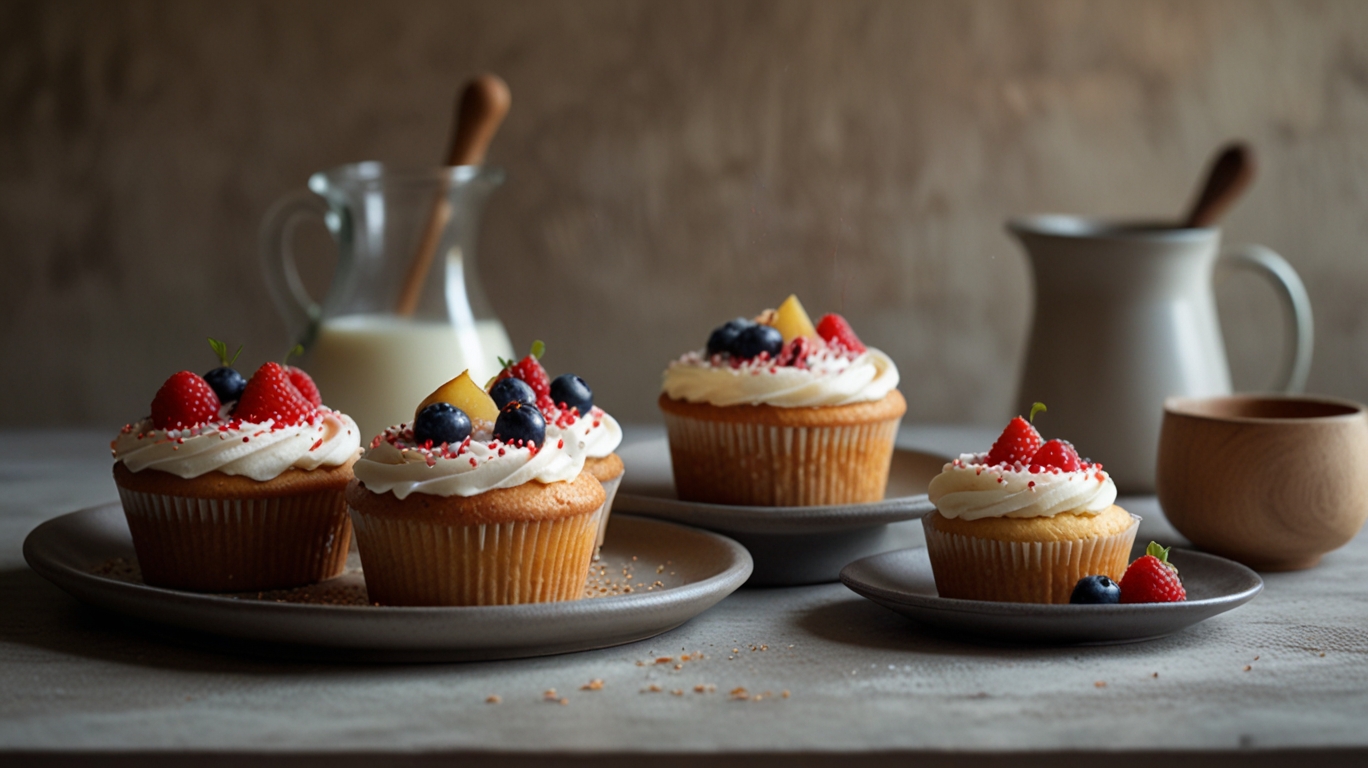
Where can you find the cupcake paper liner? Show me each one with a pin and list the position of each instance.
(238, 545)
(972, 568)
(423, 562)
(779, 466)
(610, 488)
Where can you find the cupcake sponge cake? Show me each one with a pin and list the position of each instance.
(237, 488)
(478, 502)
(1024, 522)
(778, 412)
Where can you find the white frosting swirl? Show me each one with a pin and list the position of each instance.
(395, 463)
(969, 489)
(826, 378)
(597, 434)
(259, 451)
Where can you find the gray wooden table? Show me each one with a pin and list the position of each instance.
(1285, 677)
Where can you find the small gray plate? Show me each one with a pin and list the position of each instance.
(902, 582)
(790, 545)
(701, 568)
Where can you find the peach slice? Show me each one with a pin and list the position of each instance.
(792, 320)
(465, 394)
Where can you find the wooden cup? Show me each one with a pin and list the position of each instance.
(1272, 481)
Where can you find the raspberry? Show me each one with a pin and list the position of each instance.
(796, 352)
(1152, 579)
(1056, 454)
(1016, 445)
(305, 385)
(271, 395)
(184, 401)
(835, 331)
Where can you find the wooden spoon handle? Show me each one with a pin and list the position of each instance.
(1230, 174)
(479, 111)
(478, 115)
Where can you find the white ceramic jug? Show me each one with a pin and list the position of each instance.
(1126, 317)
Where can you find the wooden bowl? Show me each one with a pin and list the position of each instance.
(1274, 482)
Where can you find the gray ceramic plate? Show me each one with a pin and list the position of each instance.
(901, 581)
(700, 568)
(790, 545)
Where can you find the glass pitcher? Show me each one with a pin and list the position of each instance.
(405, 311)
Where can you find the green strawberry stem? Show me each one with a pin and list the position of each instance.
(221, 350)
(1036, 408)
(295, 351)
(538, 349)
(1161, 554)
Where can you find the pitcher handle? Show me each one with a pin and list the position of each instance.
(1296, 306)
(299, 309)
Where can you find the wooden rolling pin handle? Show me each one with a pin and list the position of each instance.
(1230, 174)
(478, 115)
(479, 112)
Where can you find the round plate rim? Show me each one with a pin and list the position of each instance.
(936, 605)
(93, 588)
(735, 518)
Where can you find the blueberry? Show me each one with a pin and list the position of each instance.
(506, 391)
(723, 338)
(1095, 590)
(571, 390)
(226, 383)
(520, 422)
(441, 423)
(756, 339)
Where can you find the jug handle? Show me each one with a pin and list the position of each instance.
(299, 309)
(1295, 301)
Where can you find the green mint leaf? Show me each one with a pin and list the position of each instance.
(220, 349)
(1037, 408)
(538, 349)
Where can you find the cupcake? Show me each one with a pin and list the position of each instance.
(234, 485)
(476, 504)
(568, 403)
(777, 412)
(1024, 522)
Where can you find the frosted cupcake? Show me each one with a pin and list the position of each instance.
(475, 505)
(235, 485)
(568, 403)
(1024, 522)
(779, 412)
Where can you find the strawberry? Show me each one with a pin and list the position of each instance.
(1152, 579)
(1017, 444)
(184, 400)
(531, 372)
(1056, 454)
(271, 395)
(835, 331)
(305, 385)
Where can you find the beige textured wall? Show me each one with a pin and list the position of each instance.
(671, 165)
